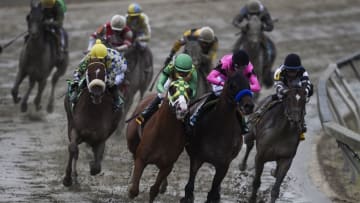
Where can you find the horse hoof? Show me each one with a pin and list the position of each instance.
(242, 167)
(132, 194)
(273, 172)
(94, 168)
(50, 108)
(163, 189)
(186, 200)
(23, 107)
(67, 182)
(15, 97)
(38, 108)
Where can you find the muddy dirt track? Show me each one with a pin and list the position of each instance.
(33, 146)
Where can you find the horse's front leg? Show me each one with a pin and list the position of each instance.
(259, 167)
(137, 173)
(214, 194)
(249, 141)
(283, 166)
(15, 90)
(95, 166)
(154, 190)
(189, 188)
(73, 153)
(26, 97)
(37, 100)
(59, 72)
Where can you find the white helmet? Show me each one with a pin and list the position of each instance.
(206, 34)
(118, 22)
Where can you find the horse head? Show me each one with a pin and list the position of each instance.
(179, 97)
(34, 19)
(237, 91)
(294, 102)
(96, 80)
(253, 33)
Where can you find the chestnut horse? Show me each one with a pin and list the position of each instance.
(277, 138)
(216, 137)
(92, 120)
(162, 138)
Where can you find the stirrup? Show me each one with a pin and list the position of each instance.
(140, 119)
(302, 136)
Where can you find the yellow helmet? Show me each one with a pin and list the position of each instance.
(134, 9)
(47, 3)
(99, 50)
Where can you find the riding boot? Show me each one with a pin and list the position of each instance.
(118, 101)
(244, 126)
(200, 110)
(74, 91)
(303, 131)
(149, 110)
(270, 50)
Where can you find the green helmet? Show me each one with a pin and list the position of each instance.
(183, 63)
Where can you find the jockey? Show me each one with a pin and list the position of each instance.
(207, 41)
(138, 23)
(255, 7)
(53, 11)
(291, 70)
(182, 68)
(115, 64)
(114, 34)
(228, 64)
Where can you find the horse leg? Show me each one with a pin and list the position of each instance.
(154, 190)
(163, 186)
(59, 72)
(15, 90)
(189, 188)
(73, 152)
(282, 169)
(95, 166)
(259, 167)
(249, 141)
(214, 194)
(138, 170)
(37, 100)
(26, 97)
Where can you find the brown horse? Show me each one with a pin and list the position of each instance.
(92, 120)
(37, 59)
(277, 138)
(162, 138)
(216, 137)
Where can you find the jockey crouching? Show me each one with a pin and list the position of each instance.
(182, 68)
(115, 65)
(138, 22)
(228, 64)
(114, 34)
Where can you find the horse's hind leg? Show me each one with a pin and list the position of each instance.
(249, 145)
(55, 78)
(15, 90)
(283, 166)
(138, 170)
(26, 97)
(95, 166)
(189, 188)
(214, 194)
(259, 167)
(154, 190)
(37, 100)
(73, 153)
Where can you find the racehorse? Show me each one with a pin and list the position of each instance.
(216, 137)
(252, 41)
(139, 73)
(37, 59)
(193, 49)
(92, 120)
(161, 140)
(277, 138)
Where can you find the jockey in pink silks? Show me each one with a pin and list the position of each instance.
(239, 60)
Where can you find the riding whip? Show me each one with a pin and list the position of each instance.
(12, 41)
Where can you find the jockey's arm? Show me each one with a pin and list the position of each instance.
(146, 29)
(81, 68)
(213, 51)
(214, 76)
(239, 18)
(193, 82)
(98, 34)
(254, 82)
(161, 82)
(305, 81)
(268, 24)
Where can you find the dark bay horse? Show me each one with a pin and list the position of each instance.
(203, 66)
(139, 73)
(216, 137)
(37, 60)
(252, 41)
(162, 138)
(277, 138)
(92, 120)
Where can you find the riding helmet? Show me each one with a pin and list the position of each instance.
(240, 58)
(118, 22)
(134, 9)
(99, 50)
(183, 63)
(47, 3)
(292, 62)
(206, 34)
(253, 6)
